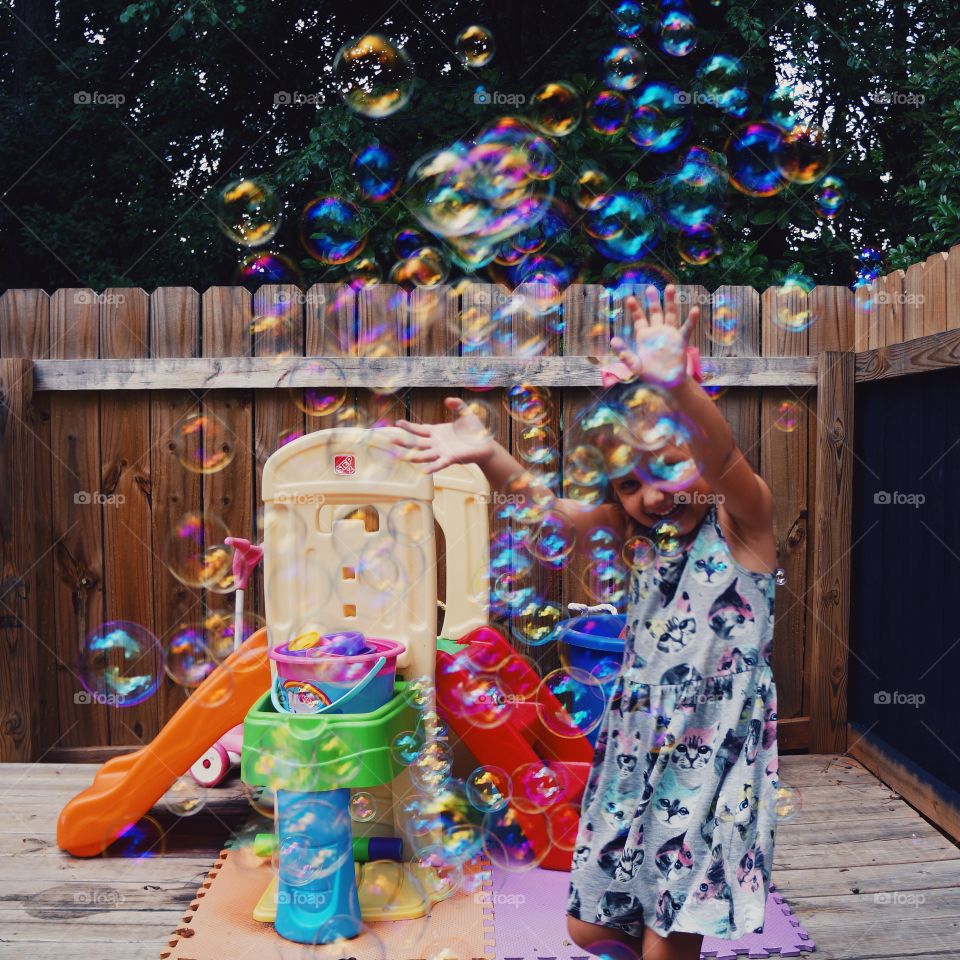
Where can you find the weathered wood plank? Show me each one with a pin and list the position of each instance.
(258, 373)
(937, 351)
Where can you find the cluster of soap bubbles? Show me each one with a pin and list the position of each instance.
(493, 202)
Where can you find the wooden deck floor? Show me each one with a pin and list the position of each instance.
(867, 875)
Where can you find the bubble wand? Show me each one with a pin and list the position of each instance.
(246, 556)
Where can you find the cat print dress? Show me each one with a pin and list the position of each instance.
(679, 812)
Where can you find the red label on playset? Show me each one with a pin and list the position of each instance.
(344, 464)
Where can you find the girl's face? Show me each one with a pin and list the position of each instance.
(648, 504)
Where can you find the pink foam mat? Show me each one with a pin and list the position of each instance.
(530, 923)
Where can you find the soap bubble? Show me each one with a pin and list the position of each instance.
(248, 211)
(553, 539)
(753, 157)
(623, 68)
(721, 79)
(267, 266)
(624, 225)
(555, 109)
(564, 824)
(792, 311)
(628, 19)
(204, 443)
(195, 554)
(570, 702)
(426, 267)
(536, 622)
(536, 786)
(803, 156)
(639, 552)
(489, 788)
(363, 806)
(376, 171)
(507, 846)
(678, 34)
(660, 118)
(786, 416)
(779, 107)
(318, 401)
(363, 272)
(373, 75)
(188, 660)
(404, 747)
(831, 196)
(527, 403)
(440, 876)
(699, 246)
(120, 663)
(607, 112)
(330, 230)
(185, 798)
(475, 46)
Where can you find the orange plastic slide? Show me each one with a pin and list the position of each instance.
(126, 787)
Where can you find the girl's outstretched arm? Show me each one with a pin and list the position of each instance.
(465, 440)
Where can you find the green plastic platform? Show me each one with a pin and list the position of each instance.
(303, 752)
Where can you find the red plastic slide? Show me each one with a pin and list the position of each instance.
(126, 787)
(513, 734)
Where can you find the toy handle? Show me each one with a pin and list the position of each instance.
(346, 698)
(246, 556)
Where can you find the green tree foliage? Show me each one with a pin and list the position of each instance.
(122, 191)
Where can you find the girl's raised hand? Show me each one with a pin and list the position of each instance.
(437, 445)
(660, 355)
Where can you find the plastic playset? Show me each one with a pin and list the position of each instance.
(340, 699)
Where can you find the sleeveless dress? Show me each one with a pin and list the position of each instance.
(679, 812)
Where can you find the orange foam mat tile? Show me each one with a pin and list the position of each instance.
(219, 924)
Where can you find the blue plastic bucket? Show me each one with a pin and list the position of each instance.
(593, 644)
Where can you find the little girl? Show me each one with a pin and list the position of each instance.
(678, 818)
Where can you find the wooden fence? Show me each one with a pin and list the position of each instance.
(93, 385)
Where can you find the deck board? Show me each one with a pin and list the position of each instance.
(867, 875)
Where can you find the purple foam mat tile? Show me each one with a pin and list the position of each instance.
(529, 911)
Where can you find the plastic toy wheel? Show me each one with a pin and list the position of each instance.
(212, 767)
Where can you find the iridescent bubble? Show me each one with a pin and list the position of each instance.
(407, 241)
(692, 196)
(678, 33)
(699, 246)
(627, 279)
(188, 660)
(475, 421)
(438, 873)
(377, 172)
(536, 622)
(788, 802)
(248, 212)
(536, 786)
(570, 702)
(803, 156)
(628, 19)
(505, 843)
(603, 544)
(120, 663)
(831, 196)
(405, 747)
(660, 119)
(674, 466)
(871, 263)
(330, 230)
(363, 806)
(591, 184)
(753, 158)
(792, 312)
(604, 427)
(489, 789)
(527, 403)
(623, 225)
(318, 401)
(606, 582)
(554, 538)
(475, 46)
(536, 443)
(374, 76)
(607, 113)
(194, 550)
(205, 444)
(185, 798)
(623, 68)
(266, 266)
(363, 272)
(721, 81)
(555, 109)
(585, 477)
(780, 108)
(787, 416)
(426, 267)
(639, 552)
(564, 824)
(724, 328)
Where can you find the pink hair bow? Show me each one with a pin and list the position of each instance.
(618, 372)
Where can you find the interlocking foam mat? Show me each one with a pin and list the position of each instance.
(512, 916)
(219, 924)
(530, 923)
